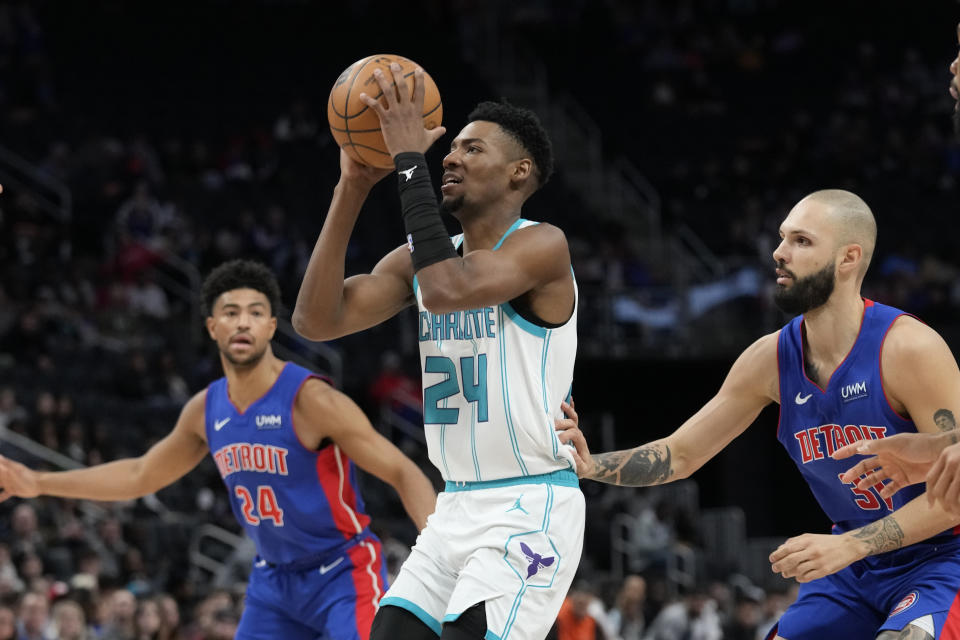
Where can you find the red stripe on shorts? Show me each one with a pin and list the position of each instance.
(951, 627)
(367, 562)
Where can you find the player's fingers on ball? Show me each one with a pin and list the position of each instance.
(399, 82)
(373, 103)
(386, 87)
(419, 88)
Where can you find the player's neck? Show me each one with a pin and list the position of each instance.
(484, 231)
(831, 330)
(247, 384)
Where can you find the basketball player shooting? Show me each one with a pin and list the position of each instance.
(497, 333)
(846, 370)
(283, 441)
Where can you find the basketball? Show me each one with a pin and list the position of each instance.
(355, 126)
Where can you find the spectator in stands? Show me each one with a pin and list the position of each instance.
(118, 622)
(69, 621)
(170, 613)
(627, 616)
(744, 622)
(8, 621)
(574, 621)
(10, 409)
(148, 619)
(692, 618)
(34, 617)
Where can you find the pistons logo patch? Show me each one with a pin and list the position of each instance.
(906, 603)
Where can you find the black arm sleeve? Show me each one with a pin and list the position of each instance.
(427, 238)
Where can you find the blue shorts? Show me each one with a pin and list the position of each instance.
(335, 599)
(879, 593)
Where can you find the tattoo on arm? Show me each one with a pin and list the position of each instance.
(944, 419)
(638, 467)
(882, 535)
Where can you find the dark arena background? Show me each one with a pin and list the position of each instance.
(143, 143)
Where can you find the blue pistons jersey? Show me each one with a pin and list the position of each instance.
(295, 503)
(814, 422)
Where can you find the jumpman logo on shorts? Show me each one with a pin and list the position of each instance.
(517, 506)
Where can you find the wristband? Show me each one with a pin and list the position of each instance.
(427, 237)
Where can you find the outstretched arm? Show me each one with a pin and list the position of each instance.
(811, 556)
(165, 462)
(749, 387)
(328, 306)
(325, 412)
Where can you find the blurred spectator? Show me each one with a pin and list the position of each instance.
(69, 621)
(8, 622)
(119, 620)
(744, 624)
(34, 620)
(10, 410)
(692, 618)
(146, 298)
(574, 621)
(627, 616)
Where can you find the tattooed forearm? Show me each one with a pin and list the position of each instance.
(944, 419)
(882, 535)
(638, 467)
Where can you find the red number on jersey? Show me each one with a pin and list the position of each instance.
(246, 504)
(266, 504)
(869, 499)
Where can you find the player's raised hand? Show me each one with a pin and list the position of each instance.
(401, 121)
(900, 460)
(360, 174)
(568, 431)
(17, 480)
(812, 556)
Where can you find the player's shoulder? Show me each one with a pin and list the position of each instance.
(757, 369)
(193, 413)
(909, 338)
(318, 398)
(539, 231)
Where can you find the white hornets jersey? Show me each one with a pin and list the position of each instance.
(492, 386)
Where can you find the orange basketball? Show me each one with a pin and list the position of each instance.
(355, 126)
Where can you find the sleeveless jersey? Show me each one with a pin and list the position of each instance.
(814, 422)
(492, 386)
(294, 503)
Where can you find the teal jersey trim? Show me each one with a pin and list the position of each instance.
(422, 615)
(490, 635)
(523, 323)
(561, 478)
(416, 285)
(473, 427)
(513, 227)
(506, 396)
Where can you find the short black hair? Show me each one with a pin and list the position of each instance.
(240, 274)
(524, 126)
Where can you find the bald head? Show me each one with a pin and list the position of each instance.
(850, 218)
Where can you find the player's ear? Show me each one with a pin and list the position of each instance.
(273, 326)
(851, 257)
(210, 323)
(522, 170)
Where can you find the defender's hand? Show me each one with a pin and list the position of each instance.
(401, 121)
(568, 432)
(16, 480)
(903, 459)
(812, 556)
